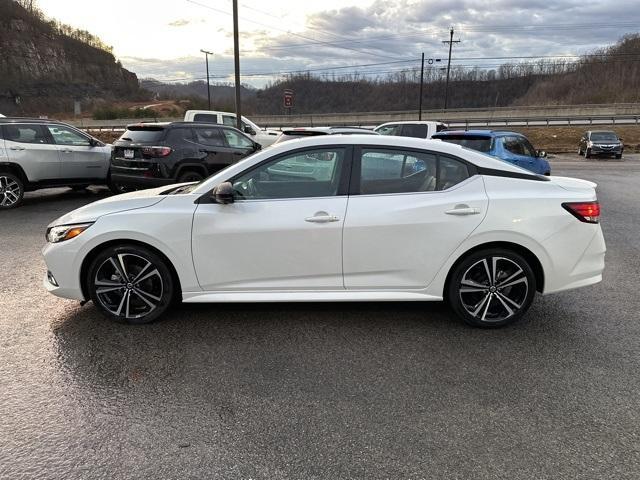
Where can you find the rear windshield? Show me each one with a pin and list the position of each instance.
(143, 134)
(296, 134)
(604, 137)
(478, 143)
(206, 117)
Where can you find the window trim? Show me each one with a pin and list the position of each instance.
(354, 184)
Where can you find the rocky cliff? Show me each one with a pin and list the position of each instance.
(43, 70)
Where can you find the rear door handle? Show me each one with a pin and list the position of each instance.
(17, 147)
(322, 217)
(66, 150)
(463, 210)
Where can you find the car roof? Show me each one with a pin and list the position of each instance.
(179, 124)
(413, 122)
(381, 141)
(328, 130)
(29, 120)
(477, 133)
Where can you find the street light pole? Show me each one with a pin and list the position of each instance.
(206, 57)
(236, 60)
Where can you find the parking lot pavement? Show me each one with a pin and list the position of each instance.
(314, 391)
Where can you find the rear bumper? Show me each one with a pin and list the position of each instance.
(140, 181)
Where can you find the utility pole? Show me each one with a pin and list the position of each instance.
(451, 41)
(236, 59)
(206, 56)
(421, 83)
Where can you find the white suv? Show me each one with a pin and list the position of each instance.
(37, 154)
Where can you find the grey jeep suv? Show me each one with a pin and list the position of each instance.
(36, 153)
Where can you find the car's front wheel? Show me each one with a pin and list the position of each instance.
(129, 283)
(491, 288)
(11, 191)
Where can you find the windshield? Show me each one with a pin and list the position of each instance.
(478, 143)
(604, 137)
(142, 134)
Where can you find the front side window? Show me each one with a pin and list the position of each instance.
(527, 148)
(389, 130)
(513, 145)
(209, 136)
(414, 130)
(303, 174)
(25, 133)
(65, 136)
(237, 140)
(230, 121)
(396, 171)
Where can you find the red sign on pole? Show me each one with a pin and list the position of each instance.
(288, 98)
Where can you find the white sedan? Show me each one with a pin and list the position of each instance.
(336, 218)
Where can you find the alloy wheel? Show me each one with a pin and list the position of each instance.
(493, 289)
(128, 286)
(10, 192)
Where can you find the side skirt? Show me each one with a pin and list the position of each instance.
(307, 296)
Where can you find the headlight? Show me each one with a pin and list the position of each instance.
(66, 232)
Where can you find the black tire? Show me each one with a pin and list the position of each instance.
(618, 156)
(587, 153)
(190, 176)
(579, 151)
(11, 191)
(484, 303)
(148, 298)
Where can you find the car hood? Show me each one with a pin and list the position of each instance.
(115, 204)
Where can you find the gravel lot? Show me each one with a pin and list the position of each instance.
(323, 391)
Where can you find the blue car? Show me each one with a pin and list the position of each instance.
(511, 147)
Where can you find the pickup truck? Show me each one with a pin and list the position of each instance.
(262, 136)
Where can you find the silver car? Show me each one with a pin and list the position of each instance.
(36, 153)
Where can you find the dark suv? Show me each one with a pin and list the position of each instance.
(156, 154)
(601, 142)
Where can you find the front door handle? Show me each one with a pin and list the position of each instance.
(463, 210)
(66, 150)
(322, 217)
(17, 147)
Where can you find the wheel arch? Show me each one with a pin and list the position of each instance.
(15, 169)
(93, 253)
(527, 254)
(193, 167)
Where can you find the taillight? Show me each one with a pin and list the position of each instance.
(156, 151)
(588, 212)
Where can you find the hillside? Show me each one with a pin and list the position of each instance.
(45, 66)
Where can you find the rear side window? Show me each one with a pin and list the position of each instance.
(415, 130)
(143, 134)
(209, 136)
(25, 133)
(474, 142)
(205, 117)
(396, 171)
(179, 135)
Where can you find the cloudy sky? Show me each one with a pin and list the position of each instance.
(162, 38)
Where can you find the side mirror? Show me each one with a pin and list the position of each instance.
(249, 130)
(93, 142)
(223, 193)
(256, 146)
(542, 154)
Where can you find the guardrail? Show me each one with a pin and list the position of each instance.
(498, 117)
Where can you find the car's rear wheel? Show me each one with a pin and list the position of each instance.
(129, 283)
(11, 191)
(190, 176)
(491, 288)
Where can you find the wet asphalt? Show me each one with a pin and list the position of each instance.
(322, 391)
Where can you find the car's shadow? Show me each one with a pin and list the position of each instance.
(300, 342)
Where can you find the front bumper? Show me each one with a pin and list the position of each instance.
(600, 150)
(61, 260)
